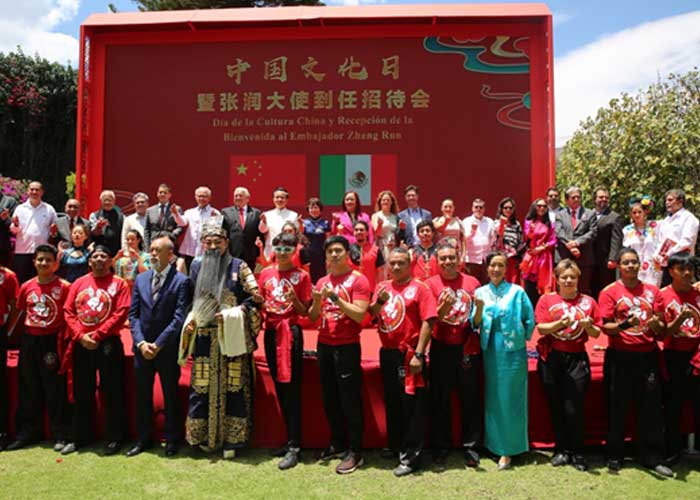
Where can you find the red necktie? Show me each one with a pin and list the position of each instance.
(241, 217)
(573, 219)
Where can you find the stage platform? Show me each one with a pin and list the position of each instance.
(269, 429)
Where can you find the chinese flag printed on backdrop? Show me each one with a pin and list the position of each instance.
(261, 174)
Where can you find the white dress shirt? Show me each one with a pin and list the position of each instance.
(133, 222)
(194, 219)
(275, 219)
(34, 224)
(479, 242)
(681, 228)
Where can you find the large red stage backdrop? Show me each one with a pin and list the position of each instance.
(461, 107)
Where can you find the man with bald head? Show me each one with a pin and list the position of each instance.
(67, 221)
(241, 222)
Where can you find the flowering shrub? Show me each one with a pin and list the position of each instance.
(14, 188)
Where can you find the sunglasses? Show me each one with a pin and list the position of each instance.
(507, 208)
(282, 249)
(541, 206)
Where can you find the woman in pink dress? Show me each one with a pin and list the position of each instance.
(344, 221)
(540, 239)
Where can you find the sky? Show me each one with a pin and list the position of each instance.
(601, 48)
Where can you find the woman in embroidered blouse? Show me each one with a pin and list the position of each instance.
(505, 319)
(509, 237)
(129, 262)
(74, 259)
(385, 224)
(540, 240)
(344, 221)
(643, 236)
(316, 230)
(449, 228)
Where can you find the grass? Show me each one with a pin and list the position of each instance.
(39, 472)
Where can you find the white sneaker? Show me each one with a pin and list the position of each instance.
(229, 454)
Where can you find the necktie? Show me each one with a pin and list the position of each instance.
(72, 225)
(241, 217)
(573, 219)
(155, 289)
(161, 218)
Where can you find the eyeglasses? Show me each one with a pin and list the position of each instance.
(282, 249)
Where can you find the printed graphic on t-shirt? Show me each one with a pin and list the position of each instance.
(459, 312)
(92, 306)
(41, 309)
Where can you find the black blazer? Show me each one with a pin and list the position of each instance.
(242, 240)
(608, 241)
(153, 227)
(63, 225)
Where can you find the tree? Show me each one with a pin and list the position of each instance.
(641, 144)
(145, 5)
(38, 102)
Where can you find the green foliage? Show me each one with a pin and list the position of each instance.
(145, 5)
(38, 101)
(640, 144)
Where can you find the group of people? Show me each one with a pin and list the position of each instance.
(465, 295)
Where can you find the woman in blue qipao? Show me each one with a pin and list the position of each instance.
(504, 317)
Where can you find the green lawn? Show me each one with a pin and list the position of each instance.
(41, 473)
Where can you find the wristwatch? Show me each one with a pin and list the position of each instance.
(420, 356)
(333, 298)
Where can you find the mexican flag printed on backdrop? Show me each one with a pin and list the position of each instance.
(368, 175)
(261, 174)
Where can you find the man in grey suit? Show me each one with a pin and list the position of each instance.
(67, 221)
(413, 214)
(607, 244)
(576, 229)
(161, 217)
(241, 222)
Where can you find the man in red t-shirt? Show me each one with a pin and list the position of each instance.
(631, 366)
(679, 305)
(41, 300)
(9, 286)
(423, 256)
(287, 293)
(96, 309)
(455, 358)
(405, 309)
(340, 299)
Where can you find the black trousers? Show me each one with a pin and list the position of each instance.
(108, 359)
(585, 280)
(405, 413)
(565, 377)
(288, 393)
(165, 365)
(681, 385)
(634, 377)
(39, 384)
(600, 278)
(532, 292)
(451, 370)
(341, 392)
(4, 395)
(23, 265)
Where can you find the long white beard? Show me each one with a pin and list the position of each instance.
(210, 283)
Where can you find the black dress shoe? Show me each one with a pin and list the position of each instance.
(18, 444)
(579, 463)
(471, 458)
(614, 464)
(291, 459)
(59, 445)
(279, 452)
(664, 471)
(136, 449)
(69, 448)
(3, 441)
(559, 459)
(171, 449)
(112, 448)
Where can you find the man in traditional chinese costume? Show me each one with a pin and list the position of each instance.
(220, 333)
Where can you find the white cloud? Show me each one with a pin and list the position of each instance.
(588, 77)
(559, 18)
(30, 24)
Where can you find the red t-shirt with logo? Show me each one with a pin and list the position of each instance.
(552, 307)
(401, 316)
(99, 305)
(617, 303)
(669, 303)
(455, 328)
(43, 305)
(424, 265)
(9, 287)
(274, 285)
(336, 328)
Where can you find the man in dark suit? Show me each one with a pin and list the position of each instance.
(607, 242)
(7, 207)
(161, 217)
(106, 223)
(67, 221)
(159, 303)
(241, 222)
(412, 215)
(576, 228)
